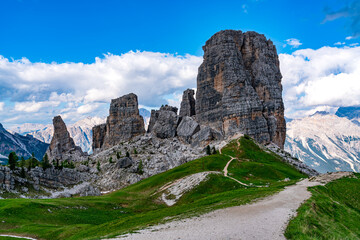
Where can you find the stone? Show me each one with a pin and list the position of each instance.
(124, 162)
(187, 128)
(99, 132)
(163, 122)
(123, 123)
(205, 136)
(187, 107)
(62, 146)
(239, 87)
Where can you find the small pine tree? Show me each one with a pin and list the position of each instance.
(12, 160)
(98, 166)
(140, 168)
(22, 162)
(135, 151)
(22, 172)
(45, 162)
(110, 160)
(127, 154)
(208, 150)
(213, 150)
(118, 155)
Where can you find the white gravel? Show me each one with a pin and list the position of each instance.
(264, 219)
(174, 191)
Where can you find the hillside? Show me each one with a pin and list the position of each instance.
(24, 146)
(326, 143)
(333, 212)
(252, 173)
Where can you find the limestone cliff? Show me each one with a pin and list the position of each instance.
(239, 87)
(62, 146)
(123, 123)
(187, 107)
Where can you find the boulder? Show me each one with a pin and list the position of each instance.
(205, 136)
(187, 128)
(163, 122)
(124, 162)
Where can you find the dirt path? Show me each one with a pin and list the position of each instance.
(226, 172)
(264, 219)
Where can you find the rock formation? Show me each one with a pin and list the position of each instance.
(163, 122)
(123, 123)
(99, 132)
(187, 107)
(187, 128)
(239, 87)
(62, 146)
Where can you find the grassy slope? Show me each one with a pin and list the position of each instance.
(137, 206)
(333, 212)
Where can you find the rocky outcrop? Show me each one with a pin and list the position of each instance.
(187, 128)
(99, 132)
(239, 87)
(51, 182)
(62, 146)
(163, 122)
(123, 123)
(187, 107)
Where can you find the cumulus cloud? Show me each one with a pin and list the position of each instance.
(74, 89)
(327, 77)
(293, 42)
(2, 104)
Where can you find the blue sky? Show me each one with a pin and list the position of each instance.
(79, 31)
(58, 55)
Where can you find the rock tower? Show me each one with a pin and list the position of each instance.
(239, 87)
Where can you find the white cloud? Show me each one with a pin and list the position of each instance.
(2, 104)
(74, 89)
(339, 43)
(33, 106)
(327, 77)
(293, 42)
(87, 108)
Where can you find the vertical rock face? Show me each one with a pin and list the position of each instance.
(187, 107)
(239, 87)
(123, 123)
(99, 132)
(62, 146)
(163, 122)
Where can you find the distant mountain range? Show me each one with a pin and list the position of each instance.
(81, 131)
(24, 146)
(327, 142)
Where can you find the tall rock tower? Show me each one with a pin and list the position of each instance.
(123, 123)
(62, 146)
(239, 87)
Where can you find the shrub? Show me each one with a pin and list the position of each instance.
(12, 160)
(127, 154)
(98, 166)
(140, 168)
(208, 150)
(110, 160)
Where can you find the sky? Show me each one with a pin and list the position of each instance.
(73, 57)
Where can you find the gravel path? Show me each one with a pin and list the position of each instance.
(264, 219)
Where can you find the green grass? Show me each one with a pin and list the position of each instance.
(333, 212)
(138, 205)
